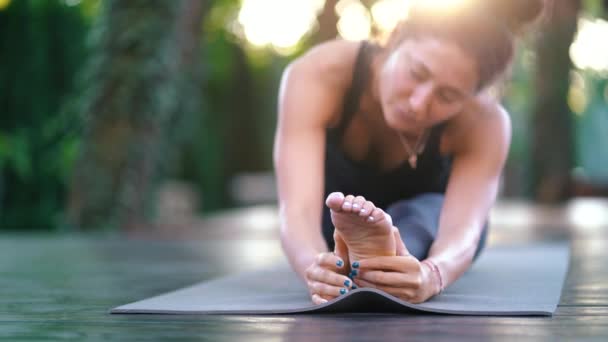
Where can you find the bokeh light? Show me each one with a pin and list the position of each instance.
(4, 4)
(355, 21)
(578, 98)
(588, 50)
(388, 13)
(588, 213)
(443, 5)
(72, 2)
(279, 23)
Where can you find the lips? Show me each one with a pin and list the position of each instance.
(404, 114)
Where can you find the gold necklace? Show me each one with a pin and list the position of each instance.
(418, 147)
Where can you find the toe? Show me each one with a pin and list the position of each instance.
(378, 215)
(368, 208)
(348, 203)
(335, 200)
(358, 204)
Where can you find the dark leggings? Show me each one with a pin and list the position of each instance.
(418, 221)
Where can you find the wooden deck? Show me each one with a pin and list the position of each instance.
(61, 287)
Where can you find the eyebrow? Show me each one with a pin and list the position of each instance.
(448, 87)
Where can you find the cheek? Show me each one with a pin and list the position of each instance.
(385, 87)
(444, 112)
(394, 84)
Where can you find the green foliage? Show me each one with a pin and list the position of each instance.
(229, 126)
(132, 100)
(594, 8)
(236, 130)
(592, 131)
(41, 48)
(518, 102)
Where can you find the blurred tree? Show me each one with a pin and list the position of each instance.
(226, 141)
(553, 125)
(234, 135)
(41, 48)
(140, 80)
(328, 23)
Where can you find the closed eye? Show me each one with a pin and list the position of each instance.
(447, 97)
(417, 74)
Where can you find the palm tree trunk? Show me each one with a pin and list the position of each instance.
(133, 95)
(553, 126)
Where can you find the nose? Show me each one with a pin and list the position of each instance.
(420, 100)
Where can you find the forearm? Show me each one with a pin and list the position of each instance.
(301, 240)
(453, 253)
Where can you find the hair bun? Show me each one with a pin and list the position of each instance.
(515, 13)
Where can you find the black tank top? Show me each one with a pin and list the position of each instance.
(360, 178)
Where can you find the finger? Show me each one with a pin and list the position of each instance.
(390, 263)
(358, 204)
(330, 261)
(368, 208)
(341, 251)
(326, 273)
(401, 293)
(317, 300)
(401, 249)
(326, 290)
(348, 203)
(392, 279)
(327, 298)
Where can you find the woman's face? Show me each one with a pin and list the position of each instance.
(424, 82)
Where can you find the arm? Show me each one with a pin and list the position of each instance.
(472, 188)
(309, 100)
(298, 153)
(471, 192)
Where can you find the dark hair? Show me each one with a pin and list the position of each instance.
(485, 29)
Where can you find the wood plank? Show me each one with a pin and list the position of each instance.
(61, 287)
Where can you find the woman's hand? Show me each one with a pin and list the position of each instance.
(326, 277)
(402, 276)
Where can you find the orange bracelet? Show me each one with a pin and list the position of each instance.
(435, 269)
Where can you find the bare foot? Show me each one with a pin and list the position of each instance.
(365, 229)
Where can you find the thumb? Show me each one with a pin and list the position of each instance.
(340, 249)
(401, 249)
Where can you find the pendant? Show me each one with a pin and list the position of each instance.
(413, 160)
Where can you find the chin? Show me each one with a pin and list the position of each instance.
(397, 122)
(395, 119)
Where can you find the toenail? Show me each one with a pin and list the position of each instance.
(354, 287)
(353, 273)
(342, 291)
(370, 219)
(347, 204)
(339, 263)
(347, 283)
(355, 206)
(356, 264)
(362, 211)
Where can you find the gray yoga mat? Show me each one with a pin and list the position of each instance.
(504, 281)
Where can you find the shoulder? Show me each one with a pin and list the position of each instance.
(317, 81)
(330, 62)
(485, 128)
(327, 65)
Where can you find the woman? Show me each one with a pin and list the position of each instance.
(406, 146)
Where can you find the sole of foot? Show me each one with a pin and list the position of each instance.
(365, 229)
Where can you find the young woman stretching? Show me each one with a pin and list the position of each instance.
(405, 145)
